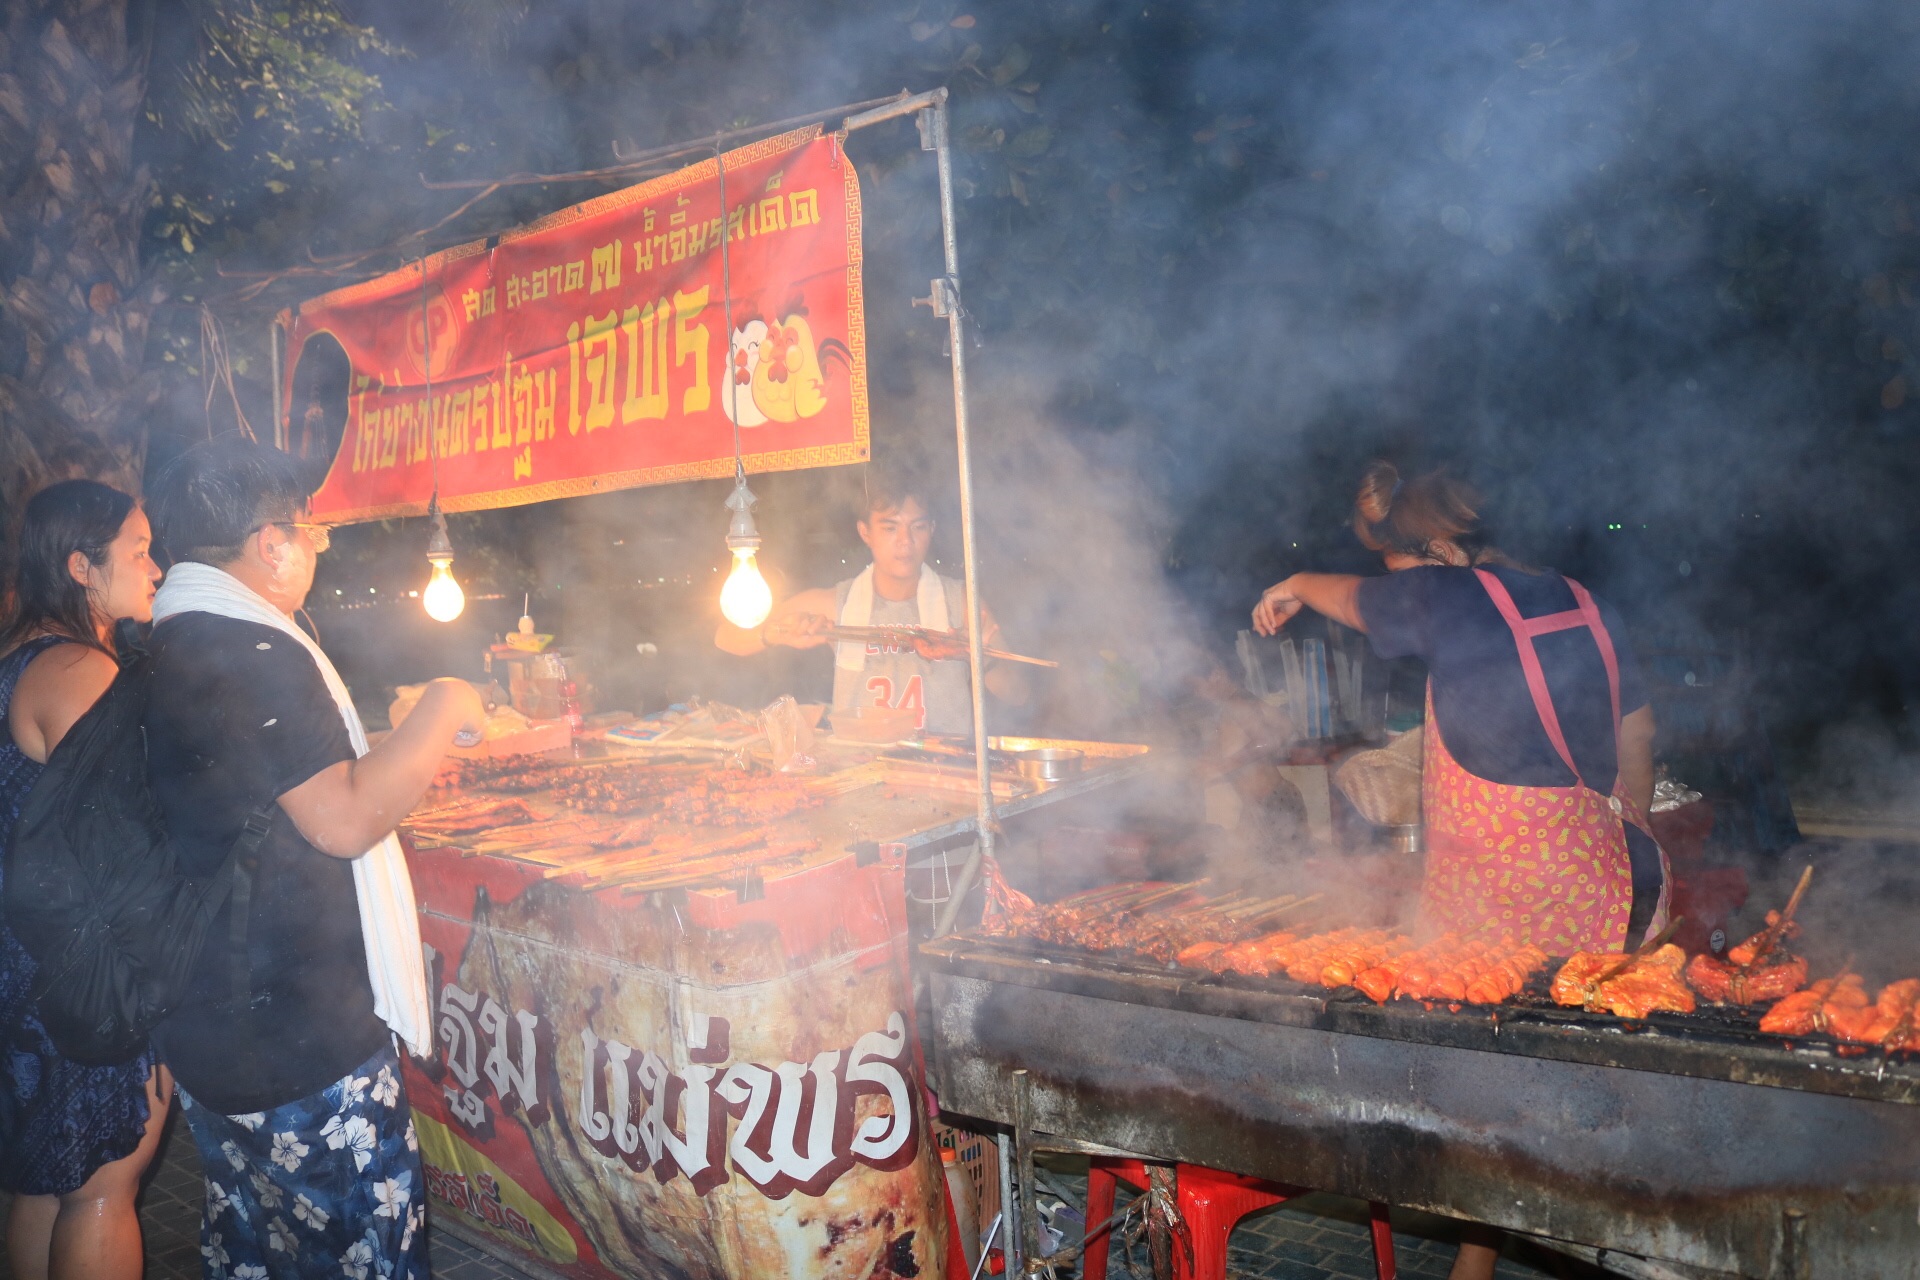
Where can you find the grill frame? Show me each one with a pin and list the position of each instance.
(1688, 1140)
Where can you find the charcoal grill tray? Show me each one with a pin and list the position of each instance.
(1713, 1043)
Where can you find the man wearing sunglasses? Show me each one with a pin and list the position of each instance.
(292, 1088)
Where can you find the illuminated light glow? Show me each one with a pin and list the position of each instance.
(746, 599)
(443, 598)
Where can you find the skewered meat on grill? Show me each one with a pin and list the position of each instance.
(1160, 922)
(1888, 1021)
(1456, 968)
(1805, 1012)
(1646, 983)
(1328, 959)
(1762, 944)
(461, 773)
(1724, 983)
(1754, 972)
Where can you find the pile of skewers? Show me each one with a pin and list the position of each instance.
(1155, 921)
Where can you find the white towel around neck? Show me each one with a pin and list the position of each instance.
(930, 597)
(388, 925)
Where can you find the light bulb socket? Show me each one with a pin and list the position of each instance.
(439, 545)
(741, 533)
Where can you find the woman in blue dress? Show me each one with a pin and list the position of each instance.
(74, 1140)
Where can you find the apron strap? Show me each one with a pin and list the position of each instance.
(1525, 629)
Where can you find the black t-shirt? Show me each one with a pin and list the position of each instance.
(238, 716)
(1445, 617)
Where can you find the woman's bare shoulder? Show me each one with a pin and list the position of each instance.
(54, 691)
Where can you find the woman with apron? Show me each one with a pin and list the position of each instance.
(1539, 741)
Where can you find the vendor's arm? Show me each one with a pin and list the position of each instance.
(1006, 681)
(345, 808)
(1636, 757)
(800, 622)
(1332, 595)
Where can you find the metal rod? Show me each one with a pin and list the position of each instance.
(895, 108)
(949, 293)
(673, 150)
(986, 1243)
(1795, 1262)
(1009, 1207)
(281, 435)
(1029, 1217)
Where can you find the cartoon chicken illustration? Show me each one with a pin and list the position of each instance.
(778, 370)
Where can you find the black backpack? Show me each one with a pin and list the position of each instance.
(94, 890)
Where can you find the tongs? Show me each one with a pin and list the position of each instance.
(934, 646)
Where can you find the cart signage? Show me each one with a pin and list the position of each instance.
(681, 1086)
(623, 341)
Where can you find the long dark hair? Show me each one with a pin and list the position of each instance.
(74, 515)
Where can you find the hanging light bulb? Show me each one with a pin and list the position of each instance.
(745, 600)
(443, 598)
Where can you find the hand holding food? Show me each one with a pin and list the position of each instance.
(797, 630)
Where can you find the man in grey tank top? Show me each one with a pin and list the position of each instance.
(898, 589)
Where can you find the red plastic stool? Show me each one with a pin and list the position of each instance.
(1210, 1203)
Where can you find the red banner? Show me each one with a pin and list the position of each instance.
(599, 348)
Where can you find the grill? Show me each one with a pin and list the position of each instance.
(1693, 1139)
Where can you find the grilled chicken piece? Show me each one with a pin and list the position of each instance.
(1805, 1012)
(1724, 983)
(1647, 984)
(1889, 1017)
(1771, 937)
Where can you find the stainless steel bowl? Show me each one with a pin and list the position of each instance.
(1049, 764)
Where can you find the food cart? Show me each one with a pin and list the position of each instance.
(694, 1055)
(675, 1028)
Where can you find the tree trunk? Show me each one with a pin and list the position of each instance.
(74, 304)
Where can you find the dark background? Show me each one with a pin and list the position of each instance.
(1645, 272)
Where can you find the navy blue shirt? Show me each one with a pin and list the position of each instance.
(1445, 617)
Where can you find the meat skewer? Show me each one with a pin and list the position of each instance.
(1806, 1012)
(1629, 986)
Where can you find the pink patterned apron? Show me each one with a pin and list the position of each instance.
(1549, 863)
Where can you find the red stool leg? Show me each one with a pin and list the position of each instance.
(1104, 1175)
(1383, 1265)
(1212, 1204)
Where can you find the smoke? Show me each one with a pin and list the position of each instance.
(1645, 271)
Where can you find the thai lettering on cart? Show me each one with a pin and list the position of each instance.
(785, 1127)
(797, 1124)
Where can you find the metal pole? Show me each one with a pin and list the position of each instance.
(946, 301)
(280, 432)
(1009, 1205)
(1028, 1222)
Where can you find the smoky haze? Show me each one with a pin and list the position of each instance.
(1635, 265)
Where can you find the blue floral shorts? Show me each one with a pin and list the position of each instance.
(329, 1186)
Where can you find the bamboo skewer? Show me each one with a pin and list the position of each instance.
(1645, 949)
(1778, 929)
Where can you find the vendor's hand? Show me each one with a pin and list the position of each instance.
(796, 630)
(463, 707)
(1277, 605)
